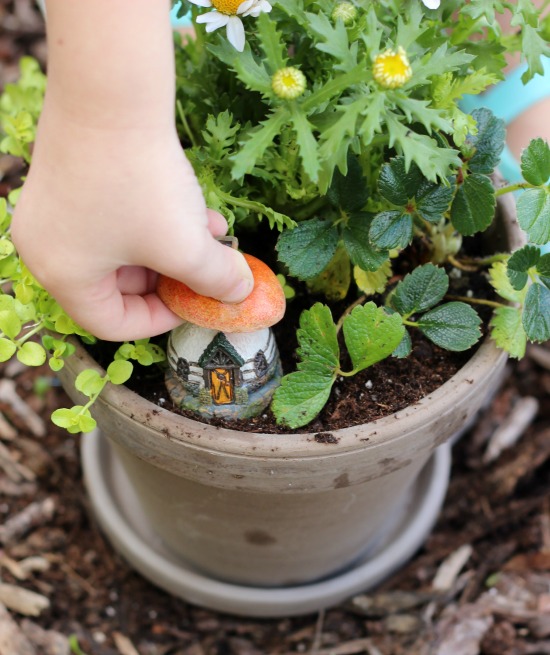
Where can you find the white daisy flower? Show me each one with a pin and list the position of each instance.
(228, 14)
(431, 4)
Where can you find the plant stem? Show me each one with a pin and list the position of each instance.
(308, 210)
(458, 264)
(514, 187)
(185, 124)
(485, 261)
(35, 329)
(348, 310)
(477, 301)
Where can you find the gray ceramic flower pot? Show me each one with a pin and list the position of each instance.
(282, 510)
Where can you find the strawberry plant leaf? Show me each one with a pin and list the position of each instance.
(391, 229)
(474, 205)
(453, 326)
(536, 313)
(397, 184)
(308, 248)
(334, 281)
(350, 191)
(371, 335)
(301, 397)
(498, 276)
(433, 200)
(507, 331)
(533, 208)
(355, 236)
(371, 282)
(318, 340)
(483, 149)
(404, 347)
(420, 290)
(535, 162)
(520, 263)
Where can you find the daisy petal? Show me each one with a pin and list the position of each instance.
(213, 20)
(235, 33)
(245, 6)
(431, 4)
(202, 3)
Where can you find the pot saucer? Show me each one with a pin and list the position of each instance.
(120, 516)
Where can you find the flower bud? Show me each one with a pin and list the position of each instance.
(345, 11)
(288, 83)
(391, 69)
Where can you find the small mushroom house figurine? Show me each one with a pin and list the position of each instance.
(223, 361)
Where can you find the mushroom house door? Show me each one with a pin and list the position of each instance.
(221, 386)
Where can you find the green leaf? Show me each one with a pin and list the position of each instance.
(307, 143)
(272, 42)
(433, 200)
(258, 141)
(349, 192)
(318, 340)
(371, 335)
(31, 354)
(397, 184)
(355, 236)
(453, 326)
(533, 208)
(536, 313)
(301, 396)
(404, 348)
(7, 349)
(308, 248)
(543, 269)
(251, 73)
(334, 281)
(89, 382)
(520, 263)
(474, 205)
(487, 144)
(420, 290)
(66, 418)
(6, 248)
(10, 323)
(535, 162)
(391, 229)
(120, 371)
(507, 331)
(86, 423)
(498, 276)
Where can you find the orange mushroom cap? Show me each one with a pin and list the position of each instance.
(264, 307)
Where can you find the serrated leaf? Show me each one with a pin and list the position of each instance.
(318, 340)
(334, 281)
(307, 144)
(301, 396)
(487, 144)
(120, 371)
(371, 282)
(258, 141)
(7, 349)
(498, 276)
(420, 290)
(251, 72)
(355, 236)
(272, 42)
(433, 200)
(543, 268)
(391, 229)
(349, 192)
(520, 263)
(308, 248)
(371, 335)
(533, 207)
(89, 382)
(536, 313)
(453, 326)
(404, 348)
(31, 354)
(535, 162)
(397, 184)
(474, 205)
(507, 331)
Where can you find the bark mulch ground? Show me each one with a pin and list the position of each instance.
(480, 585)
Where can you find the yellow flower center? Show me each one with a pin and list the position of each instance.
(288, 83)
(228, 7)
(392, 69)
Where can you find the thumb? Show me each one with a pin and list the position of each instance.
(207, 266)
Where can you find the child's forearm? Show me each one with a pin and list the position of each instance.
(111, 64)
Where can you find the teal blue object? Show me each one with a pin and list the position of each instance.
(179, 22)
(507, 100)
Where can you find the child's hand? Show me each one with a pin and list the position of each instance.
(102, 211)
(110, 198)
